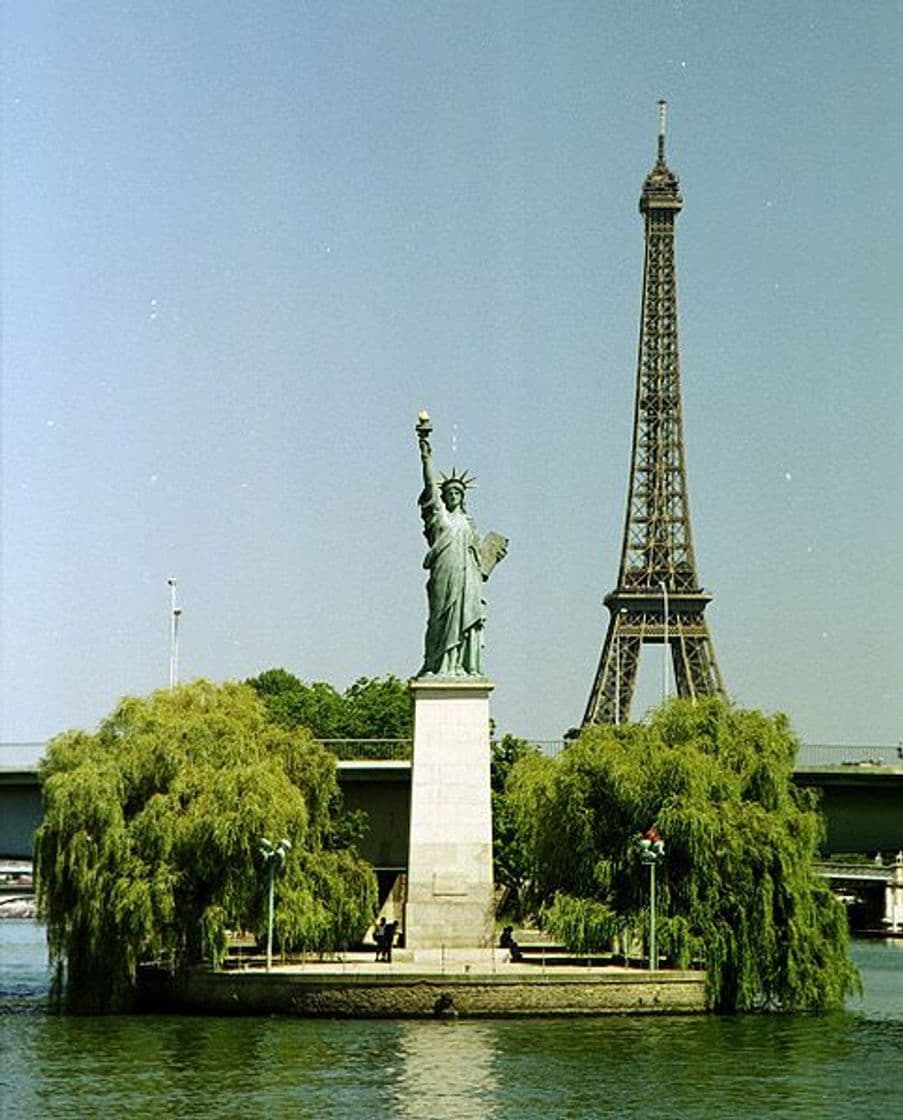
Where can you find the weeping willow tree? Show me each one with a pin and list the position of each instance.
(737, 893)
(149, 847)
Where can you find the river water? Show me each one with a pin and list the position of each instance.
(844, 1065)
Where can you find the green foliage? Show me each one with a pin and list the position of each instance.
(379, 709)
(509, 852)
(371, 708)
(149, 845)
(582, 923)
(736, 887)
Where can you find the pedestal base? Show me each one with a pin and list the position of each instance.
(451, 901)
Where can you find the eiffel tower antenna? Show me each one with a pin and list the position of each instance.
(658, 598)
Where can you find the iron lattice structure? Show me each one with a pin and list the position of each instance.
(658, 598)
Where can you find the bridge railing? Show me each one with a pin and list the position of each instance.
(364, 750)
(809, 754)
(25, 756)
(835, 754)
(360, 750)
(548, 747)
(869, 870)
(21, 756)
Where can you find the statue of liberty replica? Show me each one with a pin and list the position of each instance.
(450, 902)
(458, 562)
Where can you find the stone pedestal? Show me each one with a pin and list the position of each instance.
(451, 901)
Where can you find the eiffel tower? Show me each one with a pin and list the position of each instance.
(658, 598)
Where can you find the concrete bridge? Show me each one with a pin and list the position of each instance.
(380, 786)
(861, 795)
(875, 889)
(861, 787)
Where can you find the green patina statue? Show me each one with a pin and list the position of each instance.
(458, 562)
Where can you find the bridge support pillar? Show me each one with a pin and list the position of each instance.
(893, 897)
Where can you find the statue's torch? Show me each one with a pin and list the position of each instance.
(424, 425)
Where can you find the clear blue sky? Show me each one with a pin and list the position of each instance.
(244, 244)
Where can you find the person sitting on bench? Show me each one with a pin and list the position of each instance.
(506, 941)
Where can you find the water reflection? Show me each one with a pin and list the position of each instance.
(24, 971)
(142, 1068)
(445, 1071)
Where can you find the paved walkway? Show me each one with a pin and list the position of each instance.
(459, 962)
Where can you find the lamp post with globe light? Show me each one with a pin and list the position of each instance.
(274, 859)
(652, 849)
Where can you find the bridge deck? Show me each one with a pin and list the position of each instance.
(860, 795)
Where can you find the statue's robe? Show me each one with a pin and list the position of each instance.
(454, 588)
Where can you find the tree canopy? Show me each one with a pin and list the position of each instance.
(371, 708)
(149, 848)
(737, 892)
(511, 866)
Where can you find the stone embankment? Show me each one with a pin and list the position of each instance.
(355, 987)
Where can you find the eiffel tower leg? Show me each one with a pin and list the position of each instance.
(613, 687)
(695, 669)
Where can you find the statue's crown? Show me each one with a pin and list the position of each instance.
(464, 480)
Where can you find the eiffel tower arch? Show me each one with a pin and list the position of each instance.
(658, 598)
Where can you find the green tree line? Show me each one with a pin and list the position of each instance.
(738, 894)
(149, 848)
(370, 708)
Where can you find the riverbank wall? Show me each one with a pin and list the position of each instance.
(354, 992)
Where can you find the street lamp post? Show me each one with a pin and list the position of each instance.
(273, 858)
(652, 849)
(174, 615)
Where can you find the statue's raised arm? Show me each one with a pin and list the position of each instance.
(458, 562)
(424, 430)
